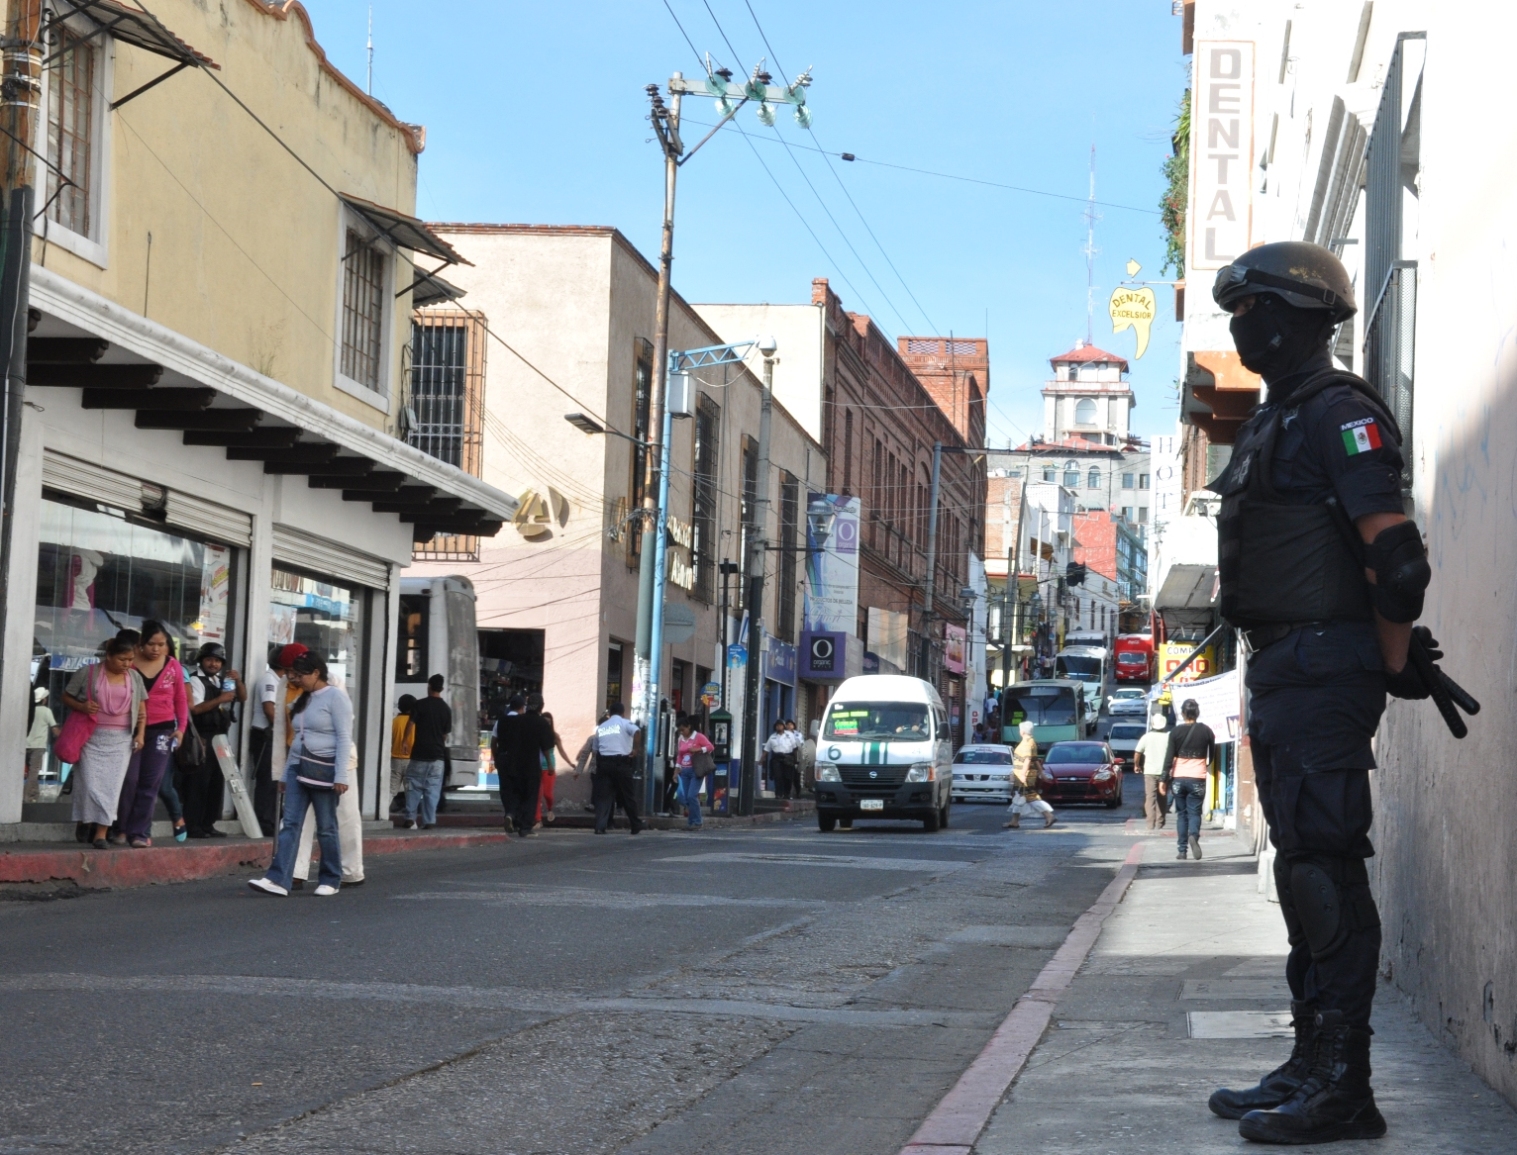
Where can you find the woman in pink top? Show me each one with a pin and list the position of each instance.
(114, 695)
(691, 742)
(168, 713)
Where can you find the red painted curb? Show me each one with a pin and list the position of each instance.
(957, 1121)
(122, 868)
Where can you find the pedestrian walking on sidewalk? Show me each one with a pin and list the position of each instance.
(315, 775)
(215, 695)
(618, 743)
(549, 763)
(524, 738)
(168, 715)
(1153, 750)
(1026, 767)
(1324, 575)
(402, 735)
(694, 762)
(112, 694)
(43, 729)
(433, 722)
(267, 731)
(1187, 763)
(349, 834)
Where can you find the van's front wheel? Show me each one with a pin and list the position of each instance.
(932, 821)
(826, 823)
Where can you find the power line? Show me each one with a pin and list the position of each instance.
(855, 158)
(683, 33)
(736, 59)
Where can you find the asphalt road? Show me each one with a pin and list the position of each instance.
(766, 990)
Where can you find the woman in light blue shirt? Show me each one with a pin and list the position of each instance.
(315, 775)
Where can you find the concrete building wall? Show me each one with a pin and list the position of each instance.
(246, 246)
(799, 331)
(577, 304)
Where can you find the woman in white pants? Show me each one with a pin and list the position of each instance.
(1025, 768)
(349, 832)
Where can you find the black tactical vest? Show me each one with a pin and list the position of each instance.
(1287, 563)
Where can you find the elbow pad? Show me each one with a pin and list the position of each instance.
(1399, 560)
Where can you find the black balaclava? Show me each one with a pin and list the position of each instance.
(1275, 338)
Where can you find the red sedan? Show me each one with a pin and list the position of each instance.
(1081, 772)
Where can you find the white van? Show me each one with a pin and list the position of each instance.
(884, 751)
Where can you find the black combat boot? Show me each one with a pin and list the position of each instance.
(1335, 1102)
(1281, 1083)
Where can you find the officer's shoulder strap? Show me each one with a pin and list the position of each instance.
(1320, 382)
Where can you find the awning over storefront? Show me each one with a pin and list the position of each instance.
(121, 360)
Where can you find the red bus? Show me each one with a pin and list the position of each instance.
(1135, 657)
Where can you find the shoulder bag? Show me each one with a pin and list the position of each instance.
(79, 726)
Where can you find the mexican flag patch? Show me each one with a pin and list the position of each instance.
(1361, 436)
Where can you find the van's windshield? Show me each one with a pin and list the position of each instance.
(1040, 705)
(1075, 666)
(873, 721)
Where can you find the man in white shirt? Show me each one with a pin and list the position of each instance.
(779, 757)
(618, 742)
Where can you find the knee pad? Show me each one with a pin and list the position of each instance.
(1332, 900)
(1294, 933)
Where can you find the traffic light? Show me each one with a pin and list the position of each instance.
(1074, 573)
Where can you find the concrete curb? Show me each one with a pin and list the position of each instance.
(123, 868)
(957, 1121)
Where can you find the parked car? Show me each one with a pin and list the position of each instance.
(982, 773)
(1127, 700)
(1081, 772)
(1123, 740)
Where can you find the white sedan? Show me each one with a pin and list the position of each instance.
(982, 773)
(1128, 700)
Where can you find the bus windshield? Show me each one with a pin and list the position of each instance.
(874, 721)
(1074, 666)
(1040, 705)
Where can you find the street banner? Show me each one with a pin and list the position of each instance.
(953, 648)
(832, 563)
(1219, 701)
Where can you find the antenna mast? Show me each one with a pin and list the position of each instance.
(370, 88)
(1091, 217)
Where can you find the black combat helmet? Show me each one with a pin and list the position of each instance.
(1301, 274)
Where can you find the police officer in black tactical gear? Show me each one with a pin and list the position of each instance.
(1324, 575)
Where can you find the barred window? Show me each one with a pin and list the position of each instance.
(703, 542)
(71, 127)
(363, 305)
(447, 403)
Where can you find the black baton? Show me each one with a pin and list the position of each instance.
(1438, 685)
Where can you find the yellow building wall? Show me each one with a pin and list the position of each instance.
(245, 244)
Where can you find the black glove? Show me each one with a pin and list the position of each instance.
(1408, 684)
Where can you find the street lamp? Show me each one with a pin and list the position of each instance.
(582, 422)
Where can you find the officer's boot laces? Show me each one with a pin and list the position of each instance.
(1281, 1083)
(1334, 1101)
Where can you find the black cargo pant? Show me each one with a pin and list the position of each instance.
(1316, 697)
(617, 787)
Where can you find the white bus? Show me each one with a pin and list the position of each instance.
(436, 634)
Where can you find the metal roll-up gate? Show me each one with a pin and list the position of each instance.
(306, 551)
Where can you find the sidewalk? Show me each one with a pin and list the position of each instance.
(46, 867)
(1185, 991)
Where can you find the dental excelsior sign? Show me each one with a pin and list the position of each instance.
(1221, 152)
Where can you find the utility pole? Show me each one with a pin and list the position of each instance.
(925, 665)
(1012, 604)
(20, 93)
(758, 557)
(666, 126)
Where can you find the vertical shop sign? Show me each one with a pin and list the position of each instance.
(1221, 152)
(832, 563)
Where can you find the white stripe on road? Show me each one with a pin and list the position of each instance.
(603, 899)
(837, 861)
(485, 998)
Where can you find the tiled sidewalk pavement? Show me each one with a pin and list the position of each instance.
(1133, 1053)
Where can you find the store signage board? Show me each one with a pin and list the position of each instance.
(1222, 152)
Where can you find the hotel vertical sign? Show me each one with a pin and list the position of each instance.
(1221, 152)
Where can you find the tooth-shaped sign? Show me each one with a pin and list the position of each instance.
(1133, 309)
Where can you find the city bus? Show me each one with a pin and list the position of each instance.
(1055, 707)
(437, 634)
(1088, 665)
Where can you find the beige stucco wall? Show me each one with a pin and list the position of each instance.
(576, 303)
(245, 244)
(799, 374)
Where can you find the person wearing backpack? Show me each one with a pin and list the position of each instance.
(1187, 763)
(215, 693)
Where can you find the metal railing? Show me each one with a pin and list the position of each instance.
(1389, 351)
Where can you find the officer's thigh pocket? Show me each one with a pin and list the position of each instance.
(1334, 655)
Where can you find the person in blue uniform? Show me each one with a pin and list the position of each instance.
(1324, 575)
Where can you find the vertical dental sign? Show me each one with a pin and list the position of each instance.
(1221, 152)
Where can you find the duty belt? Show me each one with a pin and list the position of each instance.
(1259, 637)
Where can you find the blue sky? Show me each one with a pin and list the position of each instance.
(536, 113)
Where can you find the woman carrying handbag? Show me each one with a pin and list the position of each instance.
(106, 726)
(694, 762)
(315, 776)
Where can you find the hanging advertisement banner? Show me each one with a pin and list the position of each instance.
(832, 563)
(953, 647)
(1219, 701)
(1222, 153)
